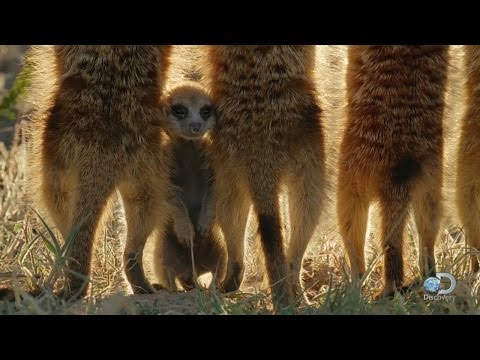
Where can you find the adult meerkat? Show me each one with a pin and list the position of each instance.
(468, 156)
(97, 128)
(269, 134)
(190, 116)
(392, 151)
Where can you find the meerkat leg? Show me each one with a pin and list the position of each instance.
(232, 210)
(255, 242)
(260, 260)
(427, 210)
(352, 213)
(468, 160)
(177, 239)
(57, 191)
(467, 185)
(232, 214)
(187, 281)
(264, 192)
(172, 259)
(165, 271)
(217, 272)
(182, 224)
(468, 202)
(206, 218)
(217, 259)
(93, 191)
(394, 211)
(306, 198)
(166, 279)
(144, 209)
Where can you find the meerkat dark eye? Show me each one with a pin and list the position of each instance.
(179, 111)
(206, 111)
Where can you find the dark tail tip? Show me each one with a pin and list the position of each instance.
(405, 170)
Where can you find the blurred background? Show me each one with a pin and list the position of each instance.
(11, 64)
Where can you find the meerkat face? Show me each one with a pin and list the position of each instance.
(190, 112)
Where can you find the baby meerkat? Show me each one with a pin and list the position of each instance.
(190, 116)
(392, 152)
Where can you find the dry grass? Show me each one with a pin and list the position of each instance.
(31, 256)
(28, 259)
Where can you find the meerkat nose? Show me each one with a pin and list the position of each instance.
(195, 128)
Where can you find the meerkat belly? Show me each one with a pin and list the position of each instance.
(191, 176)
(193, 193)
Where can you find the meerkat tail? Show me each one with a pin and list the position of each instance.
(267, 207)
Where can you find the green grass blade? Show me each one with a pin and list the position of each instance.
(49, 245)
(27, 249)
(22, 82)
(72, 236)
(58, 248)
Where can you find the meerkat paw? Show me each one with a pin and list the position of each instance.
(185, 233)
(158, 287)
(187, 282)
(204, 226)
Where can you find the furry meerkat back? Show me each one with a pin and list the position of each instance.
(97, 127)
(392, 151)
(269, 135)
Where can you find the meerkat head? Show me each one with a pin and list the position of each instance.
(190, 112)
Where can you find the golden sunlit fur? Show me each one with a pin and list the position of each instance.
(193, 179)
(269, 136)
(468, 156)
(392, 151)
(97, 128)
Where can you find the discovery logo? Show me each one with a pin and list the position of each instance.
(435, 291)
